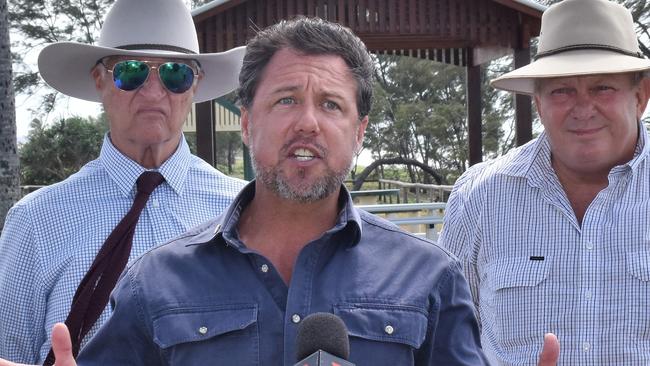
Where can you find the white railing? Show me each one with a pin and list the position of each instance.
(425, 192)
(423, 219)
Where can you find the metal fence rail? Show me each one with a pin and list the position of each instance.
(424, 219)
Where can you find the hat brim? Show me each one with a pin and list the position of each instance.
(571, 63)
(66, 67)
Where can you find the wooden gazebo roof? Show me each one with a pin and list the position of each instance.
(461, 32)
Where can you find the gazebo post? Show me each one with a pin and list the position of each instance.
(205, 132)
(523, 106)
(474, 124)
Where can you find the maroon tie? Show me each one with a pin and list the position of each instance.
(93, 292)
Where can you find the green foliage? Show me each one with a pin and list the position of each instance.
(228, 146)
(420, 113)
(52, 153)
(38, 23)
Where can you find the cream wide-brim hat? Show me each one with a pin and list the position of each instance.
(144, 28)
(580, 37)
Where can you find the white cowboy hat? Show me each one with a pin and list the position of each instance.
(580, 37)
(149, 28)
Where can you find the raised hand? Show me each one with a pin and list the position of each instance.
(550, 351)
(62, 348)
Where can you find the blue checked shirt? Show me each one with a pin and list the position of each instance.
(51, 236)
(533, 269)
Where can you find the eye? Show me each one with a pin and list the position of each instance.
(331, 105)
(286, 101)
(603, 88)
(561, 91)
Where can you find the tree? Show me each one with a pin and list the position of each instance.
(227, 145)
(420, 114)
(9, 168)
(53, 152)
(41, 22)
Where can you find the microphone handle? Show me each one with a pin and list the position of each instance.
(322, 358)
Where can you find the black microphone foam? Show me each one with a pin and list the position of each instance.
(325, 332)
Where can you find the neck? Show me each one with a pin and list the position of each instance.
(149, 156)
(581, 188)
(278, 228)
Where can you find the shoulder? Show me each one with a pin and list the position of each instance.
(379, 231)
(79, 184)
(514, 164)
(182, 246)
(207, 177)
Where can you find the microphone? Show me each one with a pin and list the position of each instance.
(322, 340)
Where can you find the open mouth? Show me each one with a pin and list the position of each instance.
(303, 155)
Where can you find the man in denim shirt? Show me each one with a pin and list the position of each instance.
(234, 290)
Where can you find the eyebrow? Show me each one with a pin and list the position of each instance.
(284, 89)
(292, 88)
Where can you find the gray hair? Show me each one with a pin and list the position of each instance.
(310, 36)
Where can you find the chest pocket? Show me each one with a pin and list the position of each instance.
(383, 334)
(515, 299)
(196, 335)
(638, 265)
(637, 297)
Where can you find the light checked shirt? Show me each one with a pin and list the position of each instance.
(533, 268)
(52, 235)
(207, 299)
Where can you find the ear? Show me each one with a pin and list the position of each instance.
(199, 77)
(538, 105)
(642, 94)
(245, 120)
(361, 132)
(98, 73)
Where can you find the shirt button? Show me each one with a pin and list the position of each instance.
(586, 346)
(589, 245)
(203, 330)
(588, 295)
(155, 203)
(265, 268)
(389, 329)
(295, 318)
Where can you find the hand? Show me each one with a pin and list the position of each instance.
(550, 351)
(60, 343)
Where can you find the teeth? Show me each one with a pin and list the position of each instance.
(303, 154)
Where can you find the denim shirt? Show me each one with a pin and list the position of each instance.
(205, 298)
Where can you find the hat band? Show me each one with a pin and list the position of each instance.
(152, 46)
(587, 46)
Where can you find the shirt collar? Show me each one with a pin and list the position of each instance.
(124, 171)
(642, 148)
(349, 220)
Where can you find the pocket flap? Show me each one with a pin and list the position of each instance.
(386, 323)
(638, 264)
(191, 324)
(517, 272)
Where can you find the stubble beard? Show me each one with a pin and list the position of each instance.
(276, 180)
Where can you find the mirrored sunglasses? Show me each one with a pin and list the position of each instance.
(129, 75)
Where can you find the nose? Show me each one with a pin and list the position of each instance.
(307, 120)
(153, 87)
(584, 107)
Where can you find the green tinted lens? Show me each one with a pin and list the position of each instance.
(130, 75)
(176, 77)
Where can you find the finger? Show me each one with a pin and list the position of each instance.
(62, 345)
(9, 363)
(550, 351)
